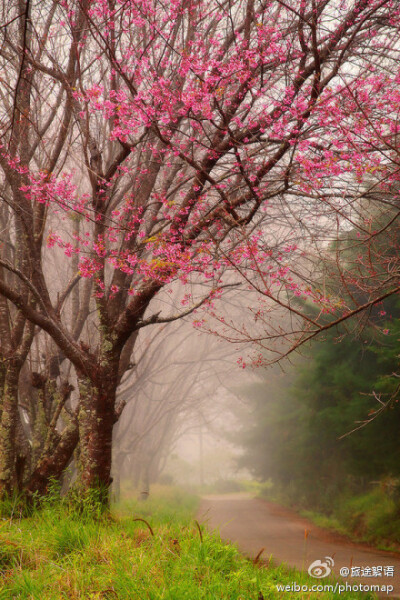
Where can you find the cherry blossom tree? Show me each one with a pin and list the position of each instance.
(193, 142)
(346, 263)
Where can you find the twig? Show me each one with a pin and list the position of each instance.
(257, 558)
(200, 532)
(148, 525)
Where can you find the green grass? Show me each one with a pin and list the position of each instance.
(373, 518)
(56, 553)
(326, 522)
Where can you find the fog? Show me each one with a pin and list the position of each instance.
(179, 209)
(182, 410)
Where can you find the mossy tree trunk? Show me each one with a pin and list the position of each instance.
(56, 448)
(8, 428)
(52, 464)
(14, 448)
(96, 423)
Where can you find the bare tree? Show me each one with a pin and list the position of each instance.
(176, 379)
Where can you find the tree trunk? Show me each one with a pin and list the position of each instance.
(96, 422)
(118, 460)
(116, 487)
(23, 456)
(145, 484)
(52, 463)
(39, 425)
(8, 428)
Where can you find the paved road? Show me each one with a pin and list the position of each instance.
(253, 524)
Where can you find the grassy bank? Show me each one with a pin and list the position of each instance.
(57, 554)
(372, 517)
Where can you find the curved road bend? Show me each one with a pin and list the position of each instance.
(252, 524)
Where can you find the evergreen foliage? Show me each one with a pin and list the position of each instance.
(298, 436)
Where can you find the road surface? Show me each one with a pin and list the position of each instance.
(252, 524)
